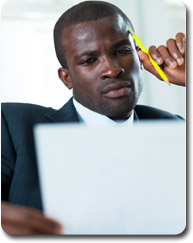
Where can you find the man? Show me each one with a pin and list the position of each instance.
(102, 64)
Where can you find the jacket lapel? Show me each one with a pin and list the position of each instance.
(66, 114)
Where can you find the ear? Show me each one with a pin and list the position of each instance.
(64, 75)
(141, 63)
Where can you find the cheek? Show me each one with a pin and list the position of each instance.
(78, 77)
(134, 71)
(83, 81)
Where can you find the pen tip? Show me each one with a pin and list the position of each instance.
(167, 81)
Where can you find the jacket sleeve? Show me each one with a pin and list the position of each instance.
(8, 157)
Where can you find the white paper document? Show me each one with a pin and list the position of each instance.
(114, 181)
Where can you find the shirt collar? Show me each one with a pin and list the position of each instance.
(91, 118)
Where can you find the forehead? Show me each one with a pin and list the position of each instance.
(84, 35)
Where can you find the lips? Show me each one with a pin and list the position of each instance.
(118, 89)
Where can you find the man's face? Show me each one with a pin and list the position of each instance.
(103, 66)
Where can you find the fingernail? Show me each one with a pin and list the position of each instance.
(140, 54)
(159, 60)
(181, 49)
(180, 61)
(172, 64)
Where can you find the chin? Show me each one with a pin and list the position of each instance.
(118, 107)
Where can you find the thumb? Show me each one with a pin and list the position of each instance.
(146, 63)
(145, 60)
(143, 57)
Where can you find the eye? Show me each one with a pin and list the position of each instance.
(123, 51)
(88, 61)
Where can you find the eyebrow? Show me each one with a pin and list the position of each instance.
(86, 53)
(94, 52)
(121, 43)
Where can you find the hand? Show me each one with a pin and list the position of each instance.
(19, 220)
(171, 59)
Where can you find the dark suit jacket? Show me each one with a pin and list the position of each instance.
(20, 184)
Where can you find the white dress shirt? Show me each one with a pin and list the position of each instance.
(92, 118)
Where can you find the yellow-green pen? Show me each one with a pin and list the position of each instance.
(156, 66)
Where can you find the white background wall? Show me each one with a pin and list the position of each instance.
(28, 65)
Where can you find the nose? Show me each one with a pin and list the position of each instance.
(111, 69)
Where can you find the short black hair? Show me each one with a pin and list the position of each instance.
(80, 13)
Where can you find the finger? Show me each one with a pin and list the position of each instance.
(34, 225)
(168, 59)
(29, 219)
(15, 230)
(155, 55)
(147, 64)
(40, 223)
(181, 42)
(174, 51)
(144, 58)
(24, 230)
